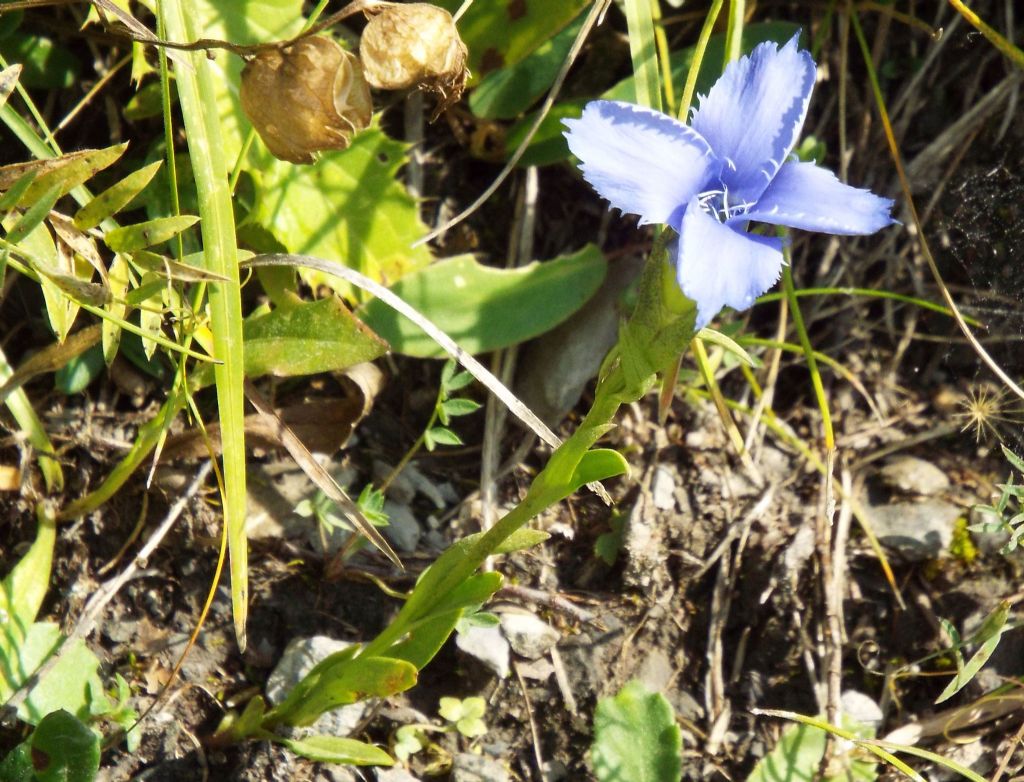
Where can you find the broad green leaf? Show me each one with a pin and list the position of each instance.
(548, 145)
(347, 207)
(75, 376)
(484, 308)
(22, 593)
(797, 758)
(17, 764)
(426, 639)
(334, 749)
(115, 198)
(596, 465)
(130, 238)
(73, 683)
(508, 92)
(46, 65)
(26, 649)
(318, 336)
(500, 33)
(636, 738)
(64, 749)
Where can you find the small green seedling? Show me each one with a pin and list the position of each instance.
(447, 408)
(465, 715)
(1009, 509)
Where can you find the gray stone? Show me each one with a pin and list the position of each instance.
(528, 636)
(656, 671)
(299, 658)
(397, 774)
(554, 771)
(910, 475)
(918, 531)
(663, 488)
(488, 645)
(403, 530)
(477, 768)
(861, 708)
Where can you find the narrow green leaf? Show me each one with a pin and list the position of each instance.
(440, 435)
(15, 193)
(484, 308)
(34, 215)
(987, 636)
(115, 198)
(334, 749)
(347, 681)
(506, 93)
(457, 407)
(71, 170)
(64, 749)
(636, 738)
(130, 238)
(198, 86)
(644, 53)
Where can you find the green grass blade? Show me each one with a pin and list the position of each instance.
(196, 92)
(21, 408)
(812, 362)
(644, 53)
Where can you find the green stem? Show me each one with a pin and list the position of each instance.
(812, 362)
(550, 486)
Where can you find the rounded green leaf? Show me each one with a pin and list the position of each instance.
(64, 749)
(636, 738)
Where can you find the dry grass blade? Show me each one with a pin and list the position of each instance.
(318, 474)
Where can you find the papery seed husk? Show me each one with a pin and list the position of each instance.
(414, 45)
(305, 98)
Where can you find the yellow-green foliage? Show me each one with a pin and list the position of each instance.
(962, 547)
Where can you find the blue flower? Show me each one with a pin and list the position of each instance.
(730, 166)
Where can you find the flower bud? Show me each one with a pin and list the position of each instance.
(304, 98)
(415, 45)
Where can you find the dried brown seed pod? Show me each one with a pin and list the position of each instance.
(415, 45)
(305, 98)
